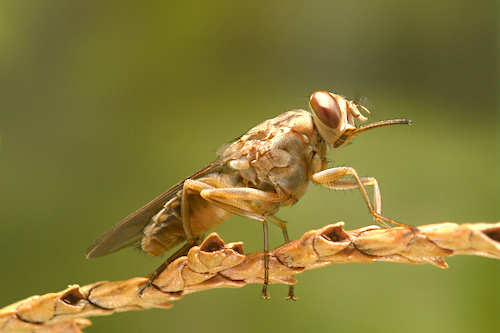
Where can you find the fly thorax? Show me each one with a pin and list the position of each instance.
(283, 162)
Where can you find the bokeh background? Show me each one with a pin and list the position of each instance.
(104, 105)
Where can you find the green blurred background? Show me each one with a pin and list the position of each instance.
(104, 105)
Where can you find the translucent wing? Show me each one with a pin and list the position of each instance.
(129, 231)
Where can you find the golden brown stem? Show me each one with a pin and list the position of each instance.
(214, 264)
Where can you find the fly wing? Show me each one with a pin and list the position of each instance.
(129, 231)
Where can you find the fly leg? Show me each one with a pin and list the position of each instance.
(189, 186)
(181, 252)
(253, 204)
(282, 224)
(331, 178)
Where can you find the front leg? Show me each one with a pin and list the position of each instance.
(331, 178)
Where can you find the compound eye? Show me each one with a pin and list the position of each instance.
(326, 107)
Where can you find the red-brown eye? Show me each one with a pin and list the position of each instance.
(326, 108)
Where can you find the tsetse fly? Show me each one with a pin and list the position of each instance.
(270, 166)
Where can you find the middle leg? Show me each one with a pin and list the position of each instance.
(253, 204)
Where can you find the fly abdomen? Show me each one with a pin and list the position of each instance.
(164, 231)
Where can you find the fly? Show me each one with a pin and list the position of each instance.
(270, 166)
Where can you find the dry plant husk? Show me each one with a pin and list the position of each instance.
(215, 264)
